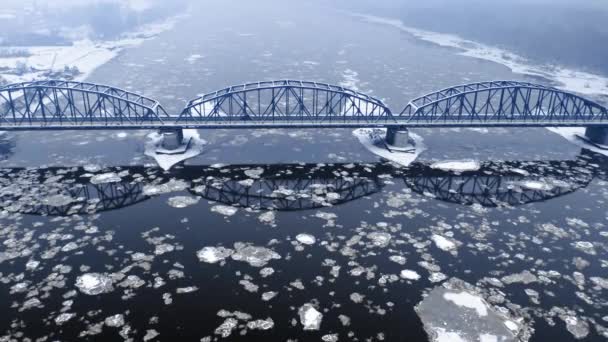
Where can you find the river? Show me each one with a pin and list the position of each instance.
(80, 205)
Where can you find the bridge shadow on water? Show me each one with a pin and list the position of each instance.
(292, 187)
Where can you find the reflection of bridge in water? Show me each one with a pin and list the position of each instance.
(62, 192)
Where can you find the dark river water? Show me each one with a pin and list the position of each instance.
(303, 216)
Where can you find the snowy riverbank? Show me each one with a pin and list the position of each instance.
(33, 63)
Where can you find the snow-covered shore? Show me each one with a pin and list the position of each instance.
(568, 79)
(38, 62)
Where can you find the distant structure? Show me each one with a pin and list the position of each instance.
(65, 105)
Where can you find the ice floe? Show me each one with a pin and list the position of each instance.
(104, 178)
(457, 165)
(410, 275)
(225, 210)
(213, 255)
(456, 312)
(94, 283)
(182, 201)
(310, 318)
(306, 239)
(254, 255)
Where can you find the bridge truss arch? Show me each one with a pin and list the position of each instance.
(287, 103)
(503, 103)
(72, 105)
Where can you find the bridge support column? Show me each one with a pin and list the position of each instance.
(398, 137)
(597, 135)
(173, 138)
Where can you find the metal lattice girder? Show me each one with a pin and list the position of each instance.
(503, 103)
(286, 103)
(66, 104)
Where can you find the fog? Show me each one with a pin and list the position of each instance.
(562, 32)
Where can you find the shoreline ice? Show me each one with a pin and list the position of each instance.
(570, 80)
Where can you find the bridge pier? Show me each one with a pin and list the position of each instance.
(597, 135)
(398, 137)
(173, 138)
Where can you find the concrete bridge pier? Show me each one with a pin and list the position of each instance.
(597, 135)
(398, 137)
(173, 139)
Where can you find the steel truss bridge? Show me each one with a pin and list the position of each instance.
(297, 187)
(67, 105)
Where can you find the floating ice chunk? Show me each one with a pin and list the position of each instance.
(213, 255)
(437, 277)
(398, 259)
(189, 289)
(254, 173)
(150, 335)
(182, 201)
(457, 313)
(94, 283)
(104, 178)
(306, 239)
(261, 324)
(443, 243)
(267, 217)
(310, 318)
(225, 210)
(225, 329)
(64, 317)
(266, 296)
(525, 277)
(330, 338)
(57, 200)
(254, 255)
(457, 165)
(266, 272)
(247, 182)
(585, 246)
(379, 239)
(249, 286)
(115, 321)
(410, 275)
(171, 186)
(577, 327)
(536, 185)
